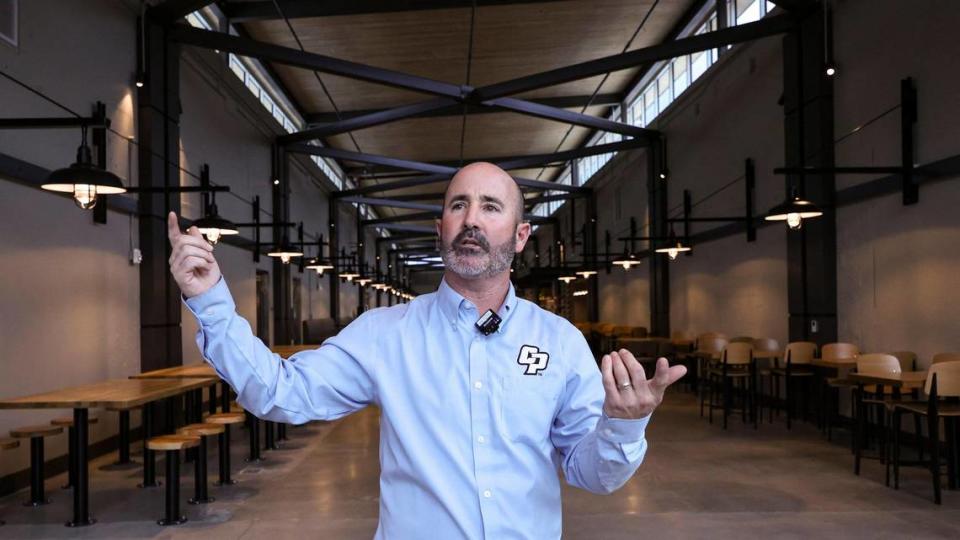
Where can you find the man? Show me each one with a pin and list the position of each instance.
(473, 426)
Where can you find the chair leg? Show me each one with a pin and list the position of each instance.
(224, 462)
(200, 492)
(788, 399)
(38, 496)
(934, 430)
(916, 428)
(726, 400)
(896, 450)
(172, 506)
(951, 434)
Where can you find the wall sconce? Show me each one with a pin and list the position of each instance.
(211, 225)
(285, 252)
(582, 292)
(794, 211)
(84, 179)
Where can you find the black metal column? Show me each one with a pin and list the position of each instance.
(334, 234)
(158, 113)
(659, 266)
(281, 272)
(808, 130)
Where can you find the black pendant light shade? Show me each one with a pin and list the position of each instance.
(84, 179)
(213, 227)
(794, 211)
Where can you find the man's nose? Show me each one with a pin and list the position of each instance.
(470, 219)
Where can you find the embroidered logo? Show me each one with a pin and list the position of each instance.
(532, 359)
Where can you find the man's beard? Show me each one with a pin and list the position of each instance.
(478, 260)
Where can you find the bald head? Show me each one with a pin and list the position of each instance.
(487, 174)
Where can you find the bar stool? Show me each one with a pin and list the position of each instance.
(36, 434)
(200, 493)
(172, 445)
(226, 420)
(8, 444)
(67, 422)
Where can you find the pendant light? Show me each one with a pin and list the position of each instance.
(319, 265)
(212, 226)
(674, 246)
(84, 179)
(794, 211)
(285, 252)
(587, 273)
(626, 261)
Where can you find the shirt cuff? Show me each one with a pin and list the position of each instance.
(216, 303)
(622, 430)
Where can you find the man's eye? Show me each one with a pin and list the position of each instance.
(456, 205)
(493, 208)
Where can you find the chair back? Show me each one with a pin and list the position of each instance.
(766, 344)
(742, 339)
(711, 345)
(948, 379)
(737, 354)
(621, 330)
(800, 352)
(878, 364)
(710, 335)
(681, 335)
(837, 351)
(945, 357)
(907, 359)
(638, 331)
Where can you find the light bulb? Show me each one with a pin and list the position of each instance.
(212, 235)
(794, 221)
(672, 253)
(831, 71)
(85, 196)
(285, 258)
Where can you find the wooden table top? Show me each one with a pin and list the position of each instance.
(193, 371)
(907, 379)
(835, 363)
(123, 393)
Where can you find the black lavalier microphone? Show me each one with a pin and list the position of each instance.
(488, 323)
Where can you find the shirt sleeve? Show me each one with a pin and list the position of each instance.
(598, 454)
(326, 383)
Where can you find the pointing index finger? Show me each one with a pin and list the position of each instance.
(173, 227)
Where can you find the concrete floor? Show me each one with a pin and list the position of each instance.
(698, 482)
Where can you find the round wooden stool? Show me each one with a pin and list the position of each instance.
(172, 445)
(36, 434)
(67, 422)
(200, 494)
(226, 420)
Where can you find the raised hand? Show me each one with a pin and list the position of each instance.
(191, 262)
(629, 394)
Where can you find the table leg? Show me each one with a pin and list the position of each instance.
(81, 490)
(224, 397)
(149, 461)
(212, 401)
(254, 438)
(858, 436)
(198, 405)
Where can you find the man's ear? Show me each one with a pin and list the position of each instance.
(523, 234)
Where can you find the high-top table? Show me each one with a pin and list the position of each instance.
(126, 393)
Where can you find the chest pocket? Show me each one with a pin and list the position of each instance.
(527, 406)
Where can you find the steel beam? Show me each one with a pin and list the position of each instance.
(369, 120)
(407, 227)
(561, 102)
(396, 204)
(570, 117)
(188, 35)
(523, 162)
(416, 216)
(769, 26)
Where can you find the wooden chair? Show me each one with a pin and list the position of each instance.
(172, 445)
(943, 381)
(907, 359)
(766, 352)
(8, 444)
(736, 364)
(839, 351)
(67, 422)
(945, 357)
(874, 400)
(200, 493)
(709, 349)
(36, 435)
(742, 339)
(226, 420)
(834, 385)
(796, 358)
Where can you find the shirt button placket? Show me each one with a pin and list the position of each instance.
(481, 424)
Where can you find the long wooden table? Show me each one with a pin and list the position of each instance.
(121, 393)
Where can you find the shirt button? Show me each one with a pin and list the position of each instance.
(478, 385)
(481, 439)
(487, 494)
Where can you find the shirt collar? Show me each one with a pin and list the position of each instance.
(451, 302)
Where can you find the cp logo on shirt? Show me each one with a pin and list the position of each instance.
(534, 360)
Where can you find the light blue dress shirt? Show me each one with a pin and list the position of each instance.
(473, 428)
